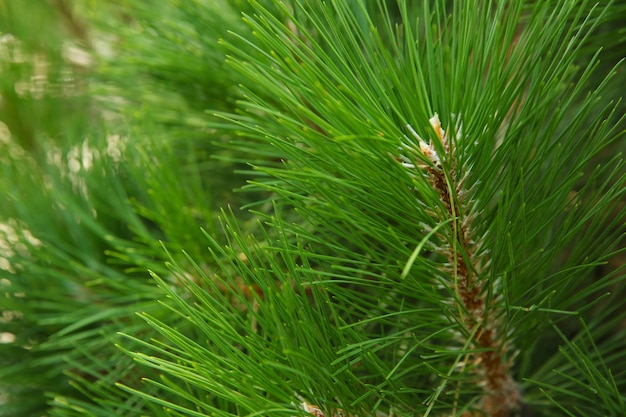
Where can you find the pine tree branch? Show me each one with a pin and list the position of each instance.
(466, 267)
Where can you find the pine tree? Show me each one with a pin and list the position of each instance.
(344, 208)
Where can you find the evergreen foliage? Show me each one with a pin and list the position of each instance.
(290, 208)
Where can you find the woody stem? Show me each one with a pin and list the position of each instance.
(501, 396)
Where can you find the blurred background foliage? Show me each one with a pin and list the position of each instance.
(106, 150)
(109, 146)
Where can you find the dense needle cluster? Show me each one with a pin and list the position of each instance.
(466, 266)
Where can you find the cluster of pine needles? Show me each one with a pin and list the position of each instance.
(365, 208)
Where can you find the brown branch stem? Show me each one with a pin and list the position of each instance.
(466, 266)
(501, 396)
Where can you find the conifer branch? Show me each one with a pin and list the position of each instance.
(467, 263)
